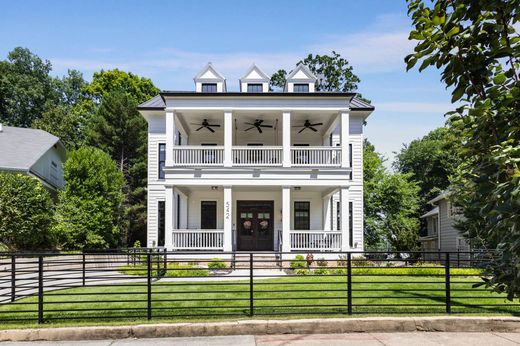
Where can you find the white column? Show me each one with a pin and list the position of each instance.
(345, 231)
(170, 137)
(344, 137)
(327, 212)
(286, 138)
(169, 211)
(228, 139)
(286, 218)
(228, 219)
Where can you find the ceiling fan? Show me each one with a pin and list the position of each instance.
(307, 125)
(206, 125)
(258, 125)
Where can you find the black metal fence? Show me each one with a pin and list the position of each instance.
(157, 284)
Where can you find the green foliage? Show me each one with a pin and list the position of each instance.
(26, 88)
(105, 82)
(431, 160)
(476, 46)
(25, 213)
(321, 262)
(298, 262)
(390, 205)
(426, 269)
(278, 79)
(217, 263)
(302, 271)
(90, 214)
(137, 244)
(173, 270)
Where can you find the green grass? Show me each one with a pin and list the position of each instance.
(398, 293)
(174, 270)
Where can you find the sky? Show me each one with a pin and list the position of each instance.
(170, 41)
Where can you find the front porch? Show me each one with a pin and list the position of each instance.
(258, 218)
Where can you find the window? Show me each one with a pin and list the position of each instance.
(338, 216)
(179, 138)
(350, 224)
(208, 215)
(162, 159)
(435, 225)
(209, 87)
(350, 159)
(301, 88)
(54, 173)
(302, 215)
(178, 211)
(255, 88)
(160, 223)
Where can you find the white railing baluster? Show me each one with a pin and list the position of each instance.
(315, 240)
(198, 239)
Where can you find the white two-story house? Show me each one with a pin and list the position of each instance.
(255, 170)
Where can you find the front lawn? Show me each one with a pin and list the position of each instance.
(308, 296)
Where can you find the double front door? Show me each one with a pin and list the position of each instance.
(255, 225)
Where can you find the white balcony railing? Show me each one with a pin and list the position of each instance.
(265, 156)
(198, 239)
(316, 240)
(257, 156)
(316, 156)
(198, 156)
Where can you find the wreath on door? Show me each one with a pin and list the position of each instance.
(247, 225)
(264, 224)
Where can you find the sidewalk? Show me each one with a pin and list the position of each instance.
(355, 339)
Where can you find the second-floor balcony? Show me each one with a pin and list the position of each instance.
(257, 156)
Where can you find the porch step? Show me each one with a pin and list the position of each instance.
(260, 261)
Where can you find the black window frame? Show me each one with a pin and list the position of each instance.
(302, 206)
(255, 87)
(209, 87)
(298, 86)
(204, 213)
(161, 160)
(161, 222)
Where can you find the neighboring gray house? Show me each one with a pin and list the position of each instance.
(33, 152)
(441, 233)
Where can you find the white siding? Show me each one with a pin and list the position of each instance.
(448, 233)
(153, 156)
(156, 193)
(42, 167)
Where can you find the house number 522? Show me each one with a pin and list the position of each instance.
(227, 210)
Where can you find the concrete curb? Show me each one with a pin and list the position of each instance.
(264, 327)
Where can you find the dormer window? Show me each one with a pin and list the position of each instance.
(300, 80)
(255, 88)
(301, 88)
(209, 80)
(209, 87)
(254, 81)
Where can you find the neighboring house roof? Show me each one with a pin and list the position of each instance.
(22, 147)
(157, 102)
(443, 195)
(433, 212)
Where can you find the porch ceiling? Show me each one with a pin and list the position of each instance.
(274, 189)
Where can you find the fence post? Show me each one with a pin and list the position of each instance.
(447, 280)
(349, 283)
(458, 258)
(83, 268)
(251, 303)
(149, 284)
(13, 278)
(40, 289)
(165, 261)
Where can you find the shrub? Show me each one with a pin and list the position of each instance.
(320, 271)
(301, 271)
(298, 262)
(90, 209)
(321, 262)
(216, 263)
(26, 212)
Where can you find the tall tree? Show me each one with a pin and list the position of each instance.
(89, 214)
(390, 205)
(333, 72)
(26, 89)
(119, 130)
(431, 160)
(477, 48)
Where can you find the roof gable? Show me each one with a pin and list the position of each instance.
(23, 147)
(256, 74)
(208, 73)
(301, 72)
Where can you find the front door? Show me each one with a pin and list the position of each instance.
(255, 225)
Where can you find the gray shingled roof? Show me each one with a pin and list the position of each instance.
(432, 212)
(20, 148)
(157, 103)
